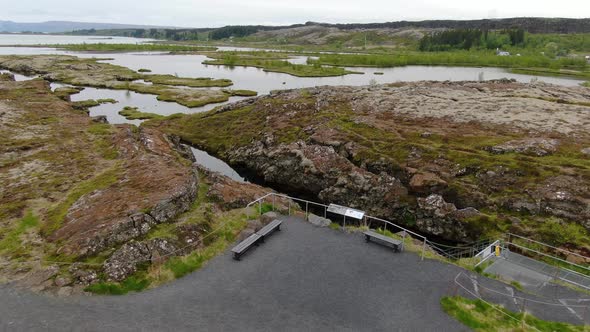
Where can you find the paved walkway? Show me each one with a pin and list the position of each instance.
(302, 278)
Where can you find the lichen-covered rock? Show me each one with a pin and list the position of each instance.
(62, 281)
(83, 274)
(125, 260)
(426, 183)
(318, 221)
(100, 119)
(436, 206)
(267, 217)
(440, 218)
(538, 147)
(231, 194)
(190, 234)
(37, 278)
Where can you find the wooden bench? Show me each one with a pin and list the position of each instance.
(397, 245)
(268, 229)
(243, 246)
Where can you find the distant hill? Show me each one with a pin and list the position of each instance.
(403, 32)
(66, 26)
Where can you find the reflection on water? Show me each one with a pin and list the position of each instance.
(17, 39)
(264, 82)
(217, 165)
(17, 77)
(145, 103)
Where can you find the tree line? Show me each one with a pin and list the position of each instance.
(466, 39)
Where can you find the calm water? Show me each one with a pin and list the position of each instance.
(16, 39)
(243, 78)
(210, 162)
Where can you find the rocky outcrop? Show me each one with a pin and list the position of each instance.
(500, 147)
(154, 186)
(325, 173)
(426, 183)
(318, 221)
(125, 260)
(436, 216)
(538, 147)
(229, 193)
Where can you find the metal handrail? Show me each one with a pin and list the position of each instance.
(547, 245)
(387, 222)
(451, 252)
(557, 258)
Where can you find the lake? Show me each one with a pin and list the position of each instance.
(243, 77)
(18, 39)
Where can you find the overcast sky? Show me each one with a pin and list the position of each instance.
(214, 13)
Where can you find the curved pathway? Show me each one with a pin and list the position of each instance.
(302, 278)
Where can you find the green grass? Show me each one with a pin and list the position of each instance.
(216, 243)
(587, 84)
(334, 226)
(85, 104)
(133, 113)
(557, 233)
(483, 317)
(10, 243)
(542, 65)
(163, 231)
(280, 66)
(144, 70)
(456, 58)
(516, 284)
(131, 284)
(185, 81)
(182, 96)
(241, 93)
(66, 92)
(266, 207)
(56, 214)
(217, 131)
(102, 133)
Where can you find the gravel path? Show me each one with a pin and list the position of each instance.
(302, 278)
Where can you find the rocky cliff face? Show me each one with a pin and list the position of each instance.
(457, 160)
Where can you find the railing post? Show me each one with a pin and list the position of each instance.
(289, 207)
(423, 250)
(306, 211)
(404, 241)
(273, 202)
(260, 207)
(325, 211)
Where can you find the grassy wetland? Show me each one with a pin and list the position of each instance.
(274, 64)
(89, 72)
